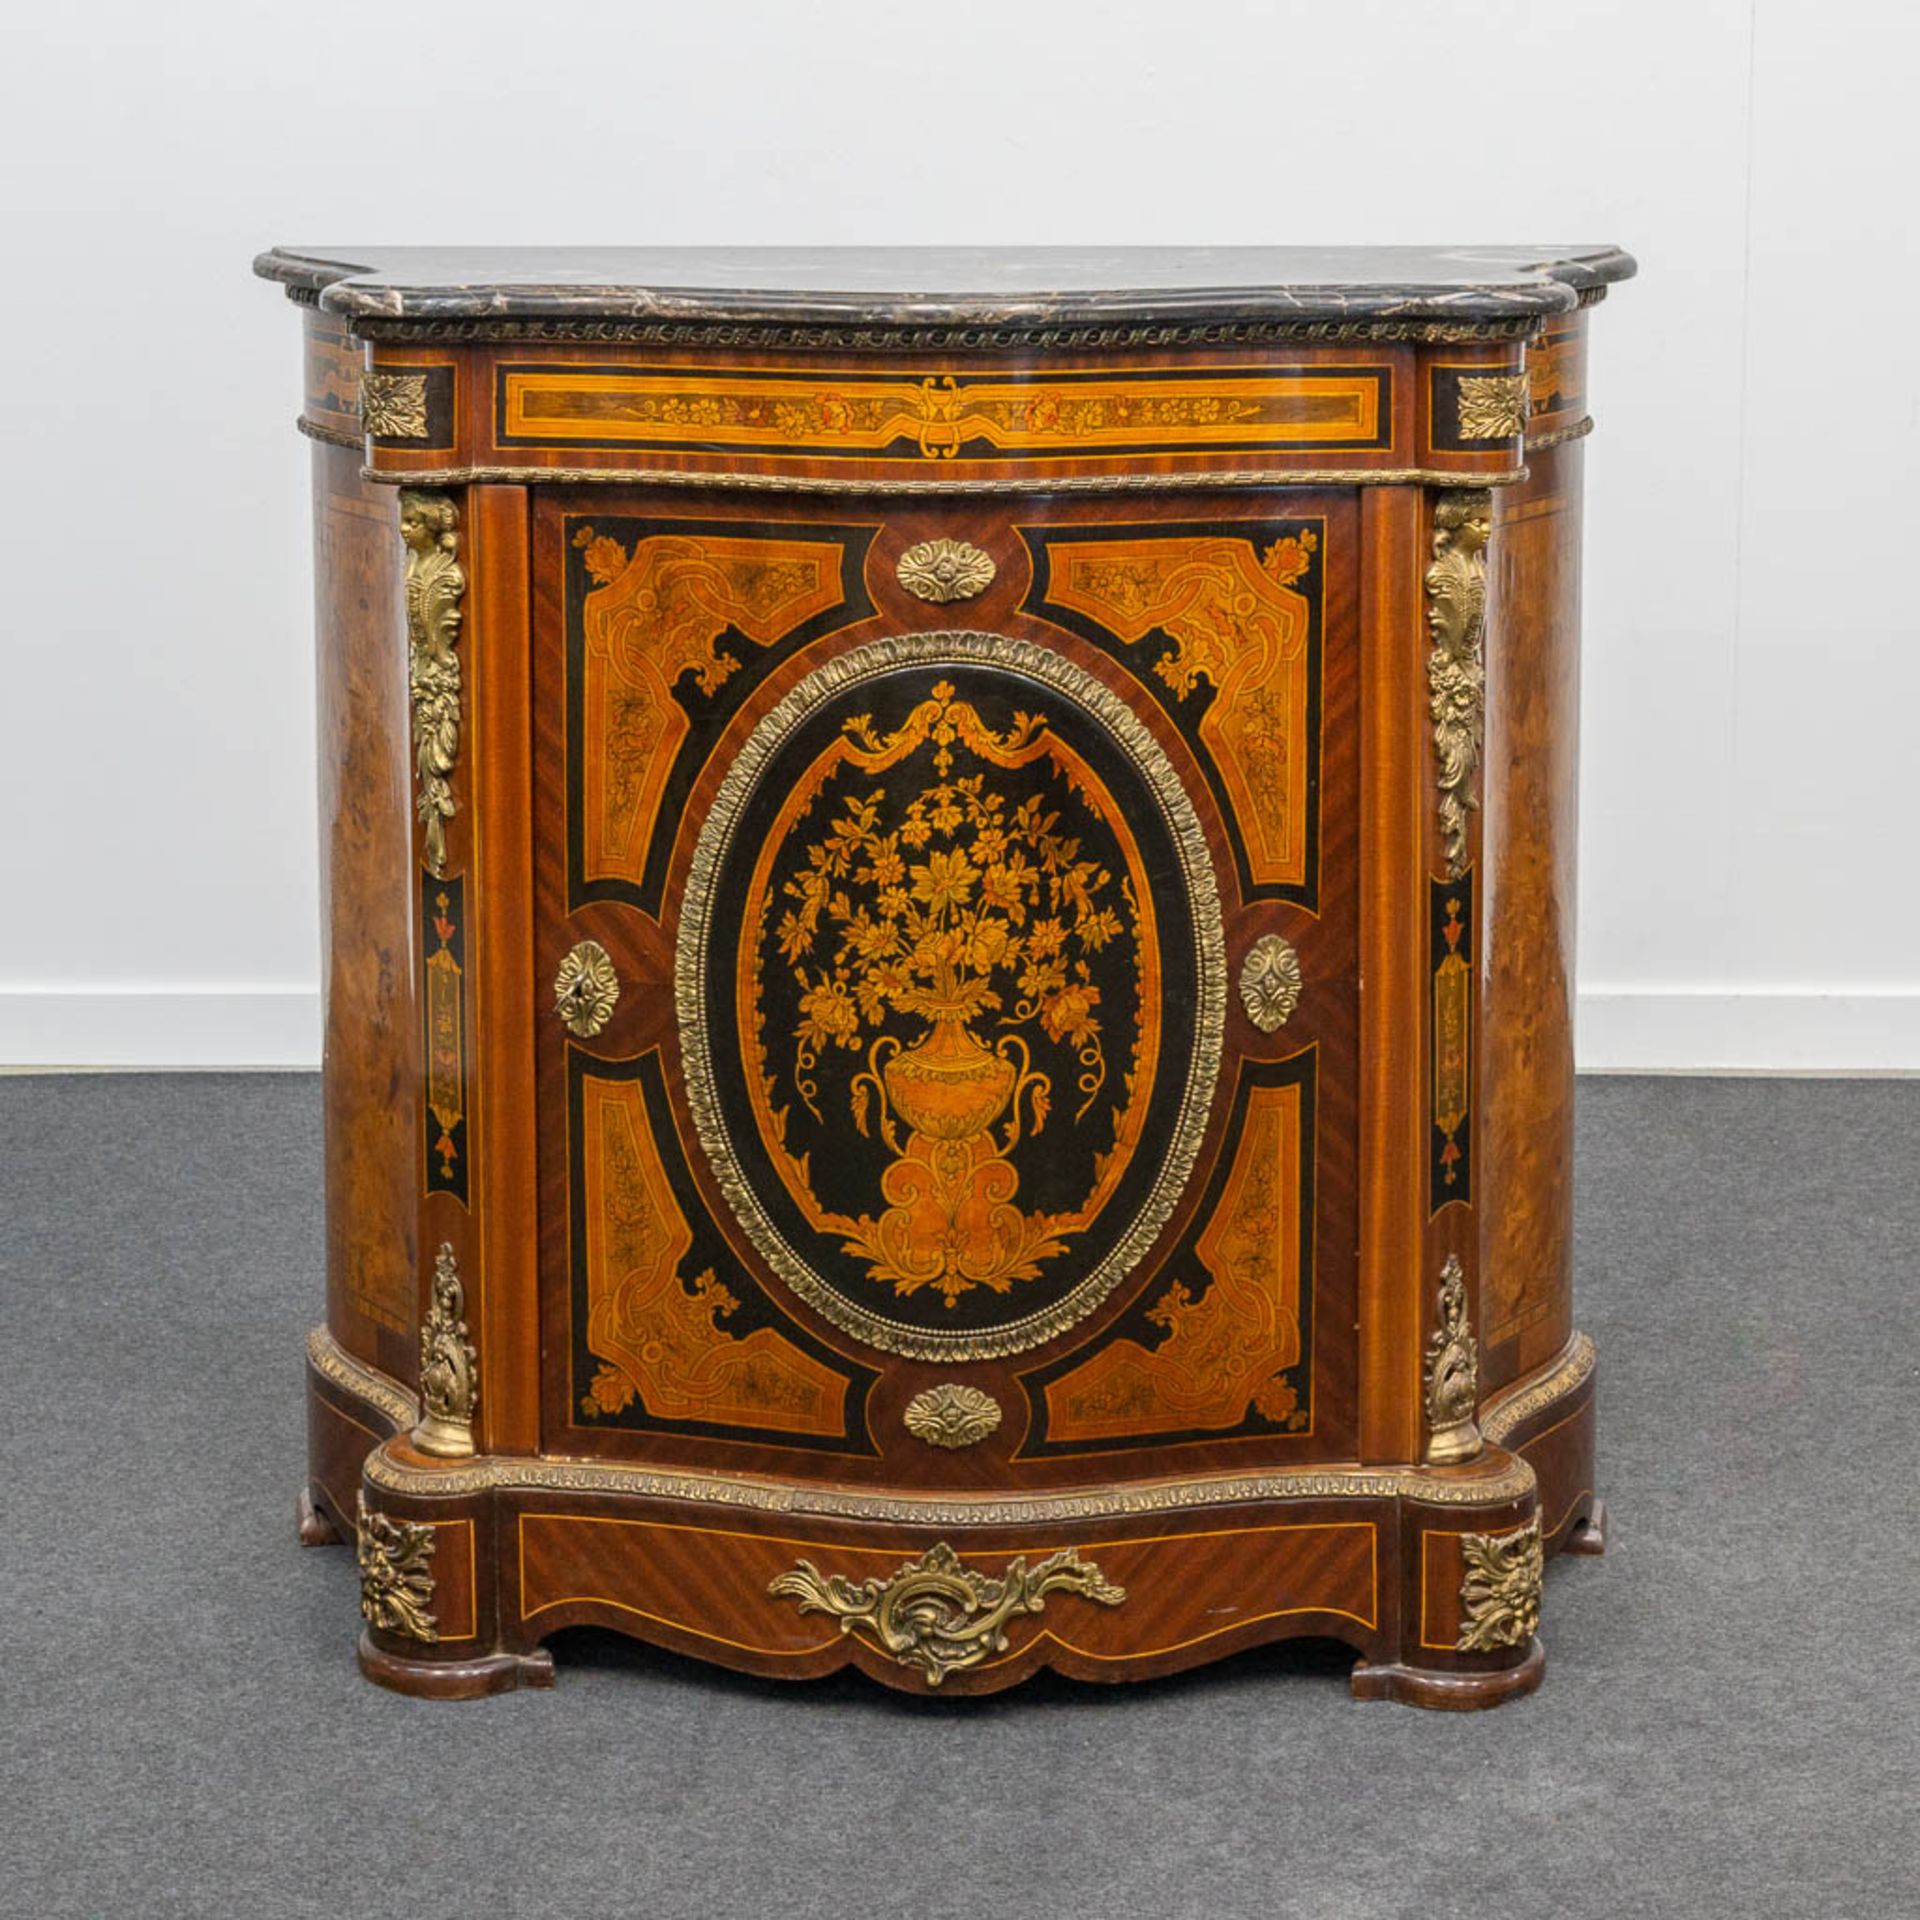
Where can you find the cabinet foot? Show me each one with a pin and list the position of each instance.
(317, 1526)
(1448, 1691)
(455, 1679)
(1588, 1535)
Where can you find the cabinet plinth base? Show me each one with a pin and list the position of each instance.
(1446, 1691)
(468, 1679)
(964, 1594)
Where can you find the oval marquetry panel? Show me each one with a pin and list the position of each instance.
(951, 988)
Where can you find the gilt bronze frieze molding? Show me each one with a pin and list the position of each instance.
(808, 337)
(1569, 1372)
(385, 1395)
(942, 484)
(1559, 436)
(1504, 1481)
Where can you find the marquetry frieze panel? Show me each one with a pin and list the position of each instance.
(915, 416)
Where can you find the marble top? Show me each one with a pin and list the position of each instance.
(946, 286)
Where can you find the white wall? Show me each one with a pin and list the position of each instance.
(1752, 678)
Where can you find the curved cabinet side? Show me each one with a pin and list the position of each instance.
(371, 1012)
(1527, 1005)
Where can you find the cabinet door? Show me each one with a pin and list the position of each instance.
(950, 914)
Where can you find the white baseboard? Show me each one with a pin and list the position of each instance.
(1621, 1031)
(1686, 1030)
(161, 1027)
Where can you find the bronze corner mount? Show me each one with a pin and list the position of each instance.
(1453, 1375)
(1500, 1596)
(396, 1574)
(449, 1380)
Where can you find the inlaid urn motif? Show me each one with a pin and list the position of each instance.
(944, 934)
(941, 1056)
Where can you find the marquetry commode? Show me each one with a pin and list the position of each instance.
(949, 955)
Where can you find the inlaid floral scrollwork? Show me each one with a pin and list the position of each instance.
(396, 1579)
(942, 934)
(436, 584)
(1456, 667)
(938, 1614)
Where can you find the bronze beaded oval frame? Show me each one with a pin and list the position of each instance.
(1100, 703)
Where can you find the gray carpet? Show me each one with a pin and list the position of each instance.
(1728, 1724)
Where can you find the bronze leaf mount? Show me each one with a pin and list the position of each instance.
(1456, 666)
(952, 1415)
(396, 1577)
(1500, 1596)
(1494, 406)
(1453, 1375)
(939, 1615)
(393, 406)
(1270, 983)
(436, 584)
(586, 989)
(943, 571)
(449, 1383)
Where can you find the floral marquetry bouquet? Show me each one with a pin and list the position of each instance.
(950, 930)
(967, 907)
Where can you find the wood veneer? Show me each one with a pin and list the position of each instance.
(973, 1136)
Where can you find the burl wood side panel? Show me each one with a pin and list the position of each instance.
(1526, 1034)
(371, 1011)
